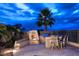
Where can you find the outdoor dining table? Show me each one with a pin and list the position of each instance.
(51, 41)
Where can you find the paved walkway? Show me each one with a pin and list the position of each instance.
(40, 50)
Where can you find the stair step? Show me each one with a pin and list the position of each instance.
(21, 44)
(21, 40)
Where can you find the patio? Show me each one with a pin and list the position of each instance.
(40, 50)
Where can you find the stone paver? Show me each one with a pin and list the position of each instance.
(40, 50)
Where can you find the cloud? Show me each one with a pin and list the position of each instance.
(61, 13)
(24, 8)
(76, 11)
(54, 10)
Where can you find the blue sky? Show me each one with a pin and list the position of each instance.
(65, 14)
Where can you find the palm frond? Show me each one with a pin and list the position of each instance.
(45, 18)
(45, 12)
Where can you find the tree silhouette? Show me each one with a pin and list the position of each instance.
(45, 18)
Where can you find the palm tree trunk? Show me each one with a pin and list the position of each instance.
(45, 30)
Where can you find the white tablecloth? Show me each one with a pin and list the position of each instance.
(51, 41)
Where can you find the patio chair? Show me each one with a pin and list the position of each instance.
(62, 40)
(54, 42)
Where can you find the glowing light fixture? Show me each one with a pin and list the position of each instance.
(17, 45)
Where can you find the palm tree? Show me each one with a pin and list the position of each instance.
(7, 38)
(45, 18)
(6, 34)
(13, 28)
(15, 31)
(3, 31)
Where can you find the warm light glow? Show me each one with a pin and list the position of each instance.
(7, 51)
(17, 46)
(14, 51)
(60, 37)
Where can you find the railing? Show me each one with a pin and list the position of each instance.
(73, 44)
